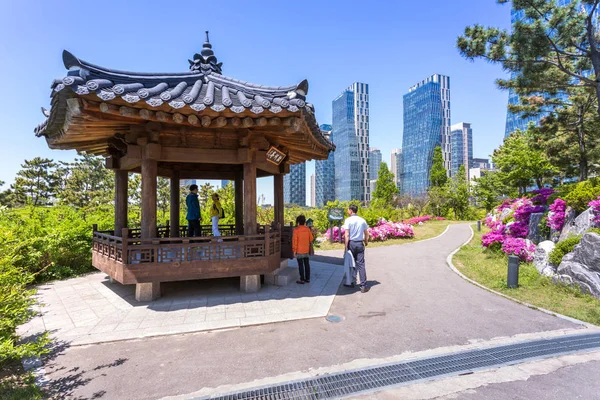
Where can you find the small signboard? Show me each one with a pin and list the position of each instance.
(275, 156)
(335, 214)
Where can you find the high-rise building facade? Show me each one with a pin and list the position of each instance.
(313, 194)
(462, 147)
(374, 163)
(325, 173)
(483, 163)
(294, 185)
(426, 126)
(396, 166)
(351, 137)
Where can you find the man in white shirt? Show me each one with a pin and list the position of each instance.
(356, 238)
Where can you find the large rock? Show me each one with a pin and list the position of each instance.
(534, 228)
(582, 265)
(505, 213)
(577, 226)
(540, 259)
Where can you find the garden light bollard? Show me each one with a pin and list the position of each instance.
(513, 272)
(478, 226)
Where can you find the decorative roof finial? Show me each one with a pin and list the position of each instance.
(206, 61)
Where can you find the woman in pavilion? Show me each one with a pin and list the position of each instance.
(216, 213)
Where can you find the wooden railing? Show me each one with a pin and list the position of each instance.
(165, 231)
(174, 250)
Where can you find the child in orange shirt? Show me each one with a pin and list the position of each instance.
(301, 241)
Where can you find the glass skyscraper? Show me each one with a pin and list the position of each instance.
(374, 163)
(462, 147)
(396, 167)
(294, 185)
(325, 174)
(426, 126)
(351, 137)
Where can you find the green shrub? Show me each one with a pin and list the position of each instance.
(594, 230)
(544, 228)
(562, 248)
(580, 194)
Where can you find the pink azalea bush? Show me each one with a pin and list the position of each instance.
(542, 195)
(595, 204)
(522, 248)
(556, 216)
(337, 237)
(385, 230)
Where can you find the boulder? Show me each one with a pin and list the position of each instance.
(505, 213)
(535, 234)
(542, 254)
(582, 265)
(577, 226)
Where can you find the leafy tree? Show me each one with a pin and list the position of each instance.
(554, 47)
(569, 133)
(437, 174)
(163, 195)
(458, 194)
(87, 184)
(385, 187)
(520, 164)
(490, 188)
(37, 182)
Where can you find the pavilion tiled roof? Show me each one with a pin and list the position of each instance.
(202, 88)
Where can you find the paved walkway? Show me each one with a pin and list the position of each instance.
(416, 303)
(90, 309)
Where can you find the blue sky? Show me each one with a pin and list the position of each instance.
(389, 45)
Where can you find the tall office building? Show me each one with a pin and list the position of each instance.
(351, 137)
(294, 185)
(374, 163)
(325, 174)
(483, 163)
(426, 125)
(462, 147)
(396, 166)
(188, 182)
(313, 201)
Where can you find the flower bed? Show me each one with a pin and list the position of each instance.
(385, 230)
(556, 216)
(595, 204)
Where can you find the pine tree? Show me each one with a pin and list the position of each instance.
(86, 184)
(385, 187)
(37, 182)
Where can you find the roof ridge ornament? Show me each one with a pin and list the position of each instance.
(206, 62)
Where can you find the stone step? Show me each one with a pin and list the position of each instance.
(284, 275)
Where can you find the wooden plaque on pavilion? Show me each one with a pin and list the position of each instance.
(275, 156)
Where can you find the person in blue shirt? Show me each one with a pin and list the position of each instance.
(193, 212)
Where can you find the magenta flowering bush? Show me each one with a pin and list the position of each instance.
(385, 230)
(542, 195)
(556, 216)
(522, 248)
(336, 234)
(494, 236)
(595, 204)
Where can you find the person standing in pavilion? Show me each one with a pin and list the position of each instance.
(356, 238)
(301, 242)
(193, 212)
(216, 213)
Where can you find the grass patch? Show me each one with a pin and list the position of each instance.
(16, 384)
(428, 230)
(490, 269)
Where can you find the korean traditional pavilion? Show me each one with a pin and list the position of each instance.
(198, 124)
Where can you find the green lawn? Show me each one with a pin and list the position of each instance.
(428, 230)
(490, 269)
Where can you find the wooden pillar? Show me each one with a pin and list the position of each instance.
(239, 203)
(149, 173)
(121, 199)
(249, 199)
(174, 200)
(278, 199)
(150, 153)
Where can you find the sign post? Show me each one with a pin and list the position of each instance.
(335, 217)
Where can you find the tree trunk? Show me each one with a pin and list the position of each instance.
(583, 161)
(594, 51)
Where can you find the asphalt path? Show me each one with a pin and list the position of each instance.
(416, 303)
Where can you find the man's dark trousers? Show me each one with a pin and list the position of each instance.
(357, 248)
(194, 228)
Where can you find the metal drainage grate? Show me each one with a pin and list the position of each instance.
(375, 378)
